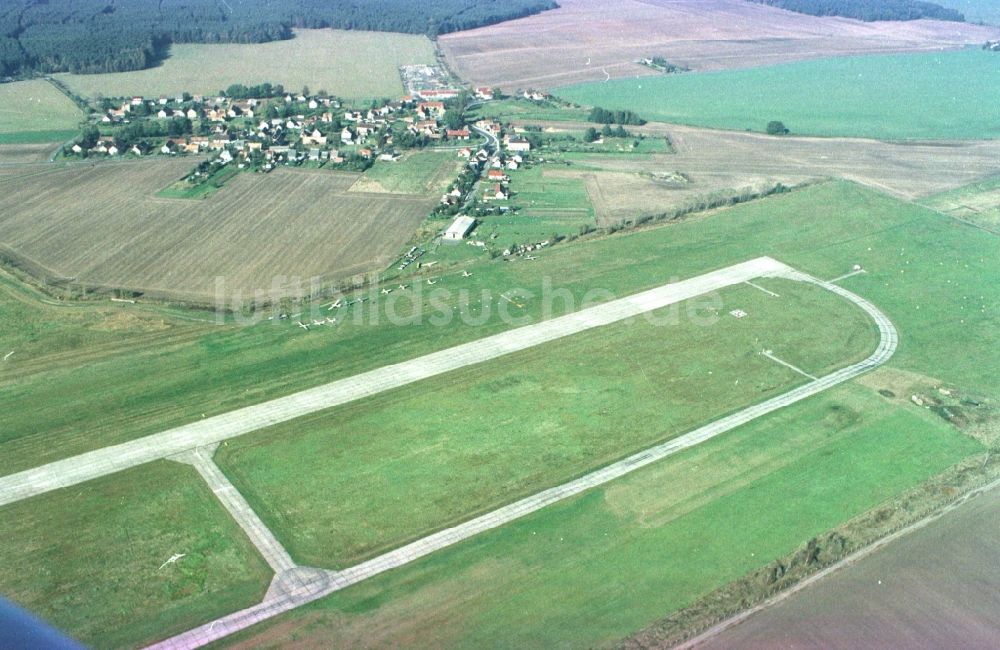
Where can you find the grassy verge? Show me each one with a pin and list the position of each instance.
(90, 559)
(183, 189)
(39, 137)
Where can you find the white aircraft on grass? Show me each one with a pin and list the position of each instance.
(429, 281)
(302, 325)
(317, 323)
(331, 321)
(402, 287)
(466, 274)
(386, 291)
(336, 305)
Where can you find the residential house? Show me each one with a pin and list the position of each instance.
(313, 138)
(496, 193)
(458, 134)
(517, 144)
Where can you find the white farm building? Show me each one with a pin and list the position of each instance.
(459, 228)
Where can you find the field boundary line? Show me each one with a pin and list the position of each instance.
(326, 583)
(857, 556)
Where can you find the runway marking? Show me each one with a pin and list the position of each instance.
(760, 288)
(767, 353)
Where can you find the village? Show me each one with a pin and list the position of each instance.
(261, 127)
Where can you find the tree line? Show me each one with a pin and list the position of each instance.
(869, 10)
(604, 116)
(88, 36)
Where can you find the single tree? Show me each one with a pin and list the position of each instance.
(776, 128)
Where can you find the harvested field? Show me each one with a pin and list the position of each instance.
(102, 226)
(26, 153)
(722, 161)
(35, 111)
(925, 590)
(348, 64)
(552, 48)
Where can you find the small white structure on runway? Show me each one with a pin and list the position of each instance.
(459, 228)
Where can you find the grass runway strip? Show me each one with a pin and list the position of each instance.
(327, 583)
(105, 461)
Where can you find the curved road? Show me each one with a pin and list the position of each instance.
(308, 585)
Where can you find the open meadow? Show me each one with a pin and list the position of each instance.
(904, 97)
(419, 172)
(978, 203)
(387, 470)
(348, 64)
(104, 226)
(94, 560)
(593, 40)
(34, 112)
(742, 499)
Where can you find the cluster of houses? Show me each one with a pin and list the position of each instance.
(310, 128)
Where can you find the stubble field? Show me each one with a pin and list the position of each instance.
(591, 40)
(353, 65)
(35, 112)
(102, 226)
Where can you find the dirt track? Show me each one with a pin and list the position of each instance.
(553, 48)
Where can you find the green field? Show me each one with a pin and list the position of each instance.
(420, 172)
(591, 570)
(88, 559)
(35, 111)
(385, 470)
(543, 207)
(976, 11)
(978, 203)
(516, 108)
(937, 95)
(352, 65)
(87, 375)
(192, 368)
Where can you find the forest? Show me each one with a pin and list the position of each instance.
(869, 10)
(89, 36)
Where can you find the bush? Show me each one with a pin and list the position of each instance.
(777, 128)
